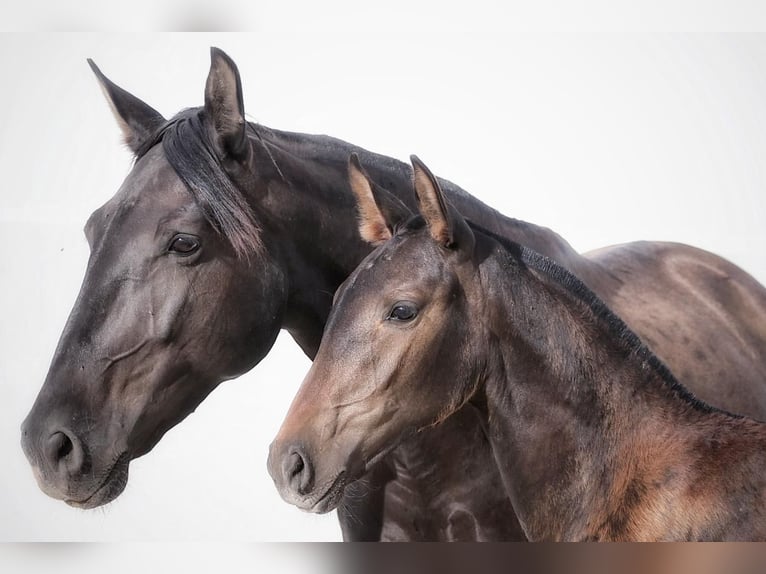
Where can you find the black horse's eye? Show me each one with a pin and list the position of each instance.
(403, 311)
(184, 244)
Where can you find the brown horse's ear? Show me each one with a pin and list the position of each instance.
(137, 120)
(379, 210)
(224, 105)
(446, 225)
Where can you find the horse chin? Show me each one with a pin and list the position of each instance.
(331, 497)
(109, 489)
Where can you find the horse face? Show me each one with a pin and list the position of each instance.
(390, 364)
(166, 311)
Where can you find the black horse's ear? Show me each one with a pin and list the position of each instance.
(137, 120)
(379, 210)
(224, 105)
(446, 225)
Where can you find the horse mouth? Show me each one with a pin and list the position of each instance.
(109, 488)
(331, 497)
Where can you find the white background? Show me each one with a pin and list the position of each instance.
(604, 139)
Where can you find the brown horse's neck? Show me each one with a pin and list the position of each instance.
(594, 438)
(310, 206)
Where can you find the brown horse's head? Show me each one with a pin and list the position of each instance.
(179, 295)
(390, 361)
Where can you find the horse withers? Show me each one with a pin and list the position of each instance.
(593, 436)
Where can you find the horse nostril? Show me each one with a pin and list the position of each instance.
(62, 452)
(65, 445)
(297, 464)
(298, 473)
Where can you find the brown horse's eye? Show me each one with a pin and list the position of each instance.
(184, 244)
(403, 311)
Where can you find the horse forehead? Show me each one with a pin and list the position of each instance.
(152, 185)
(408, 257)
(402, 262)
(151, 193)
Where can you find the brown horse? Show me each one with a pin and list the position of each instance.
(594, 437)
(225, 232)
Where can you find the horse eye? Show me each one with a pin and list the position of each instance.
(184, 245)
(403, 311)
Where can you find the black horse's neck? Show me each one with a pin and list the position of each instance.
(310, 206)
(302, 199)
(571, 393)
(330, 155)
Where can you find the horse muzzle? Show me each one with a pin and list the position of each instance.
(66, 470)
(294, 474)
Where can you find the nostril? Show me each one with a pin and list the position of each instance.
(298, 473)
(62, 452)
(59, 446)
(296, 464)
(65, 447)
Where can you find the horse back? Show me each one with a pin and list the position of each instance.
(702, 315)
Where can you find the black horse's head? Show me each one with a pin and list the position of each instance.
(179, 295)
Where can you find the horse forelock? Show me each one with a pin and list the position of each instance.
(189, 149)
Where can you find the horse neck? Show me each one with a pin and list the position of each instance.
(308, 219)
(574, 407)
(317, 165)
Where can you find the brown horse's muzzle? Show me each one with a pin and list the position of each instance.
(292, 468)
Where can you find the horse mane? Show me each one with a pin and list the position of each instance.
(616, 327)
(186, 141)
(331, 151)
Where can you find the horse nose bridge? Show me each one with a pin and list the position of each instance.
(102, 290)
(103, 323)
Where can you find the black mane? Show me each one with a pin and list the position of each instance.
(190, 151)
(615, 325)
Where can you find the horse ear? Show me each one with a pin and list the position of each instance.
(431, 202)
(137, 120)
(379, 210)
(446, 225)
(224, 104)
